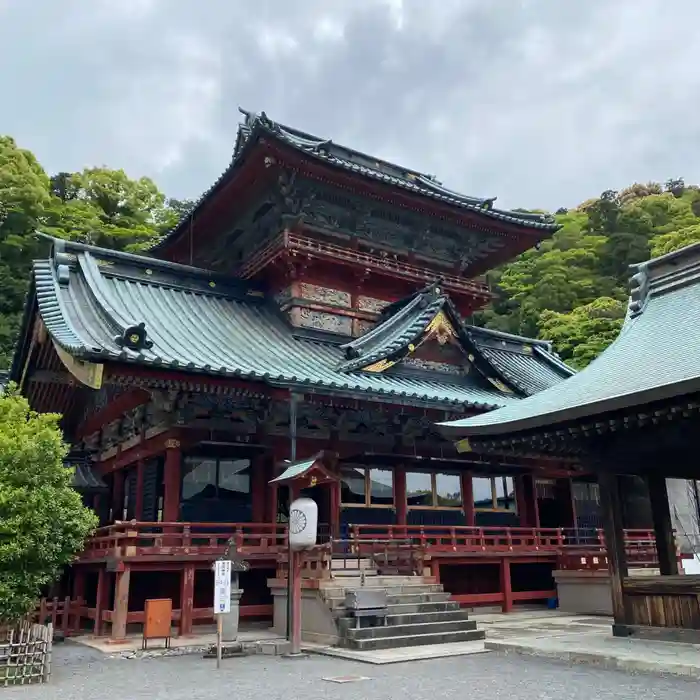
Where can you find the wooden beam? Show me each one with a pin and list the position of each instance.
(121, 604)
(121, 404)
(663, 525)
(614, 541)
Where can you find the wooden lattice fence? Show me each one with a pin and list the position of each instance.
(25, 654)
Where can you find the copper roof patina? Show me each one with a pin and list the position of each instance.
(654, 358)
(100, 305)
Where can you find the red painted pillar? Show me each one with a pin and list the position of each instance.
(171, 482)
(186, 599)
(271, 492)
(506, 585)
(258, 487)
(102, 599)
(118, 495)
(565, 501)
(121, 604)
(335, 508)
(400, 502)
(138, 506)
(527, 500)
(468, 499)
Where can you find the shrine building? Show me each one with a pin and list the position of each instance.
(314, 305)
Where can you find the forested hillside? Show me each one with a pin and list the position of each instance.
(98, 206)
(572, 290)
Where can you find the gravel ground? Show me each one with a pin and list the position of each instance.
(80, 673)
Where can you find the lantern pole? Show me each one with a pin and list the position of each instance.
(293, 558)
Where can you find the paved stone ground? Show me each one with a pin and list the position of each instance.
(81, 672)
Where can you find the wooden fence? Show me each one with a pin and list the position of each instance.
(25, 654)
(62, 613)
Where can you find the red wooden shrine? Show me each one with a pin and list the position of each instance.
(316, 300)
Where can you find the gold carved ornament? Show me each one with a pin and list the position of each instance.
(439, 328)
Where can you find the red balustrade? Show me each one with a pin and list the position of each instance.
(135, 539)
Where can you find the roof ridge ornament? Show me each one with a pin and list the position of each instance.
(639, 291)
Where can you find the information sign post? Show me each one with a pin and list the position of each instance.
(222, 599)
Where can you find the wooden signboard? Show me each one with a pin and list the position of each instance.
(157, 620)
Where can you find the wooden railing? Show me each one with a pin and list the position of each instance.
(135, 539)
(435, 539)
(63, 613)
(255, 540)
(323, 250)
(389, 556)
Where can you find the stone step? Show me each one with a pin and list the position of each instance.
(379, 580)
(415, 640)
(406, 608)
(342, 587)
(355, 573)
(403, 598)
(412, 608)
(414, 618)
(420, 629)
(350, 563)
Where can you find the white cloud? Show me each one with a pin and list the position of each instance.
(544, 103)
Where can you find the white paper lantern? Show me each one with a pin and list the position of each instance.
(303, 523)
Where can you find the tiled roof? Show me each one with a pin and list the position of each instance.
(655, 357)
(526, 364)
(529, 365)
(100, 305)
(255, 125)
(394, 333)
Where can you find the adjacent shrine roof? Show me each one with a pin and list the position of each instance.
(100, 306)
(526, 365)
(255, 126)
(654, 358)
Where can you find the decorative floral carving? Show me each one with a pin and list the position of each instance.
(319, 320)
(371, 304)
(324, 295)
(432, 366)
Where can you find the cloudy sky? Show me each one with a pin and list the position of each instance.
(540, 102)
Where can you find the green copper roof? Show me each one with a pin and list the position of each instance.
(655, 357)
(295, 469)
(105, 306)
(525, 364)
(529, 365)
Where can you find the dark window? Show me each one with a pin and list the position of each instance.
(207, 477)
(362, 486)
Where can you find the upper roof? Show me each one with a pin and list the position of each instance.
(325, 150)
(655, 357)
(100, 305)
(524, 364)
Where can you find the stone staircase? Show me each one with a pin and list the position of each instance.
(419, 611)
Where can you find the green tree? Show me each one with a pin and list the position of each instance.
(43, 523)
(107, 208)
(24, 196)
(582, 334)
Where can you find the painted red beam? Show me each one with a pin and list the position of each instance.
(148, 448)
